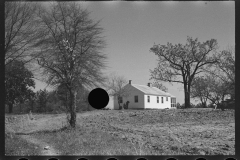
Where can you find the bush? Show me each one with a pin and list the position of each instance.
(178, 106)
(227, 104)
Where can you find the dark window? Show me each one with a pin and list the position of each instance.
(166, 98)
(148, 98)
(136, 99)
(157, 99)
(120, 99)
(162, 99)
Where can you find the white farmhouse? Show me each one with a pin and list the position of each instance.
(144, 97)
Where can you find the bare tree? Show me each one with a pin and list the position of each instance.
(224, 70)
(218, 90)
(71, 50)
(115, 87)
(21, 31)
(210, 88)
(181, 63)
(160, 86)
(200, 90)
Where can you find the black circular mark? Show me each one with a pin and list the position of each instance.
(141, 158)
(230, 158)
(112, 158)
(52, 159)
(23, 159)
(171, 158)
(98, 98)
(82, 159)
(200, 158)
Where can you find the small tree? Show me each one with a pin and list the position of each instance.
(218, 89)
(224, 70)
(42, 96)
(115, 87)
(181, 63)
(210, 88)
(200, 90)
(219, 80)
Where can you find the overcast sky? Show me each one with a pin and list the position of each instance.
(131, 29)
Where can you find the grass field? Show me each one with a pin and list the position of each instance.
(127, 132)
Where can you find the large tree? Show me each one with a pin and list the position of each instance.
(181, 63)
(18, 83)
(72, 49)
(21, 31)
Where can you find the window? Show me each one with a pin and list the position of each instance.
(157, 99)
(136, 99)
(173, 102)
(120, 99)
(162, 99)
(148, 98)
(166, 98)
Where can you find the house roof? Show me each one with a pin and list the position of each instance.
(151, 90)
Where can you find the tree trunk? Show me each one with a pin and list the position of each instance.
(73, 107)
(187, 100)
(10, 107)
(32, 103)
(187, 96)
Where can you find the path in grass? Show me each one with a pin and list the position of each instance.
(49, 151)
(26, 129)
(45, 124)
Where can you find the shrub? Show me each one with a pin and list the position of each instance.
(178, 106)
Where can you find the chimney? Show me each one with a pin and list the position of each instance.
(149, 84)
(130, 81)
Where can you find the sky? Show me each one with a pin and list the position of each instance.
(132, 28)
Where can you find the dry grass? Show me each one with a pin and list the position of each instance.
(137, 132)
(15, 146)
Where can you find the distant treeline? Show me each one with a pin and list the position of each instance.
(50, 102)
